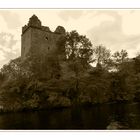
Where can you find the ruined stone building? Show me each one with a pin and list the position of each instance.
(40, 40)
(45, 46)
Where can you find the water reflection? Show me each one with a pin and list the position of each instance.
(107, 116)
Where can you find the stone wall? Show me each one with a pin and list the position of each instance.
(39, 39)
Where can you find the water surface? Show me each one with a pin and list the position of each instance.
(97, 117)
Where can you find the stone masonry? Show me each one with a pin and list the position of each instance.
(40, 40)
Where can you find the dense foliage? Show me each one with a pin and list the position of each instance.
(37, 84)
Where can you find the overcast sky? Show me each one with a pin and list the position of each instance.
(115, 29)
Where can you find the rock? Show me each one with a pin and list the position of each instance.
(116, 125)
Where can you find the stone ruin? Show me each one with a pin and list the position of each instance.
(40, 40)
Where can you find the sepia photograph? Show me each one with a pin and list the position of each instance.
(69, 69)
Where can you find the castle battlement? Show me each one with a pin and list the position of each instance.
(34, 22)
(39, 39)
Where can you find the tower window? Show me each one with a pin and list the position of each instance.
(46, 38)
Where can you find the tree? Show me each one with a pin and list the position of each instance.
(43, 67)
(119, 58)
(15, 69)
(79, 53)
(101, 55)
(78, 47)
(137, 64)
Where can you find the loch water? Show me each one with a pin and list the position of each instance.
(98, 117)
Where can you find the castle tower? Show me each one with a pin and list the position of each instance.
(40, 40)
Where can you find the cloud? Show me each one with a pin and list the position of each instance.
(110, 34)
(131, 22)
(12, 19)
(9, 48)
(67, 14)
(10, 32)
